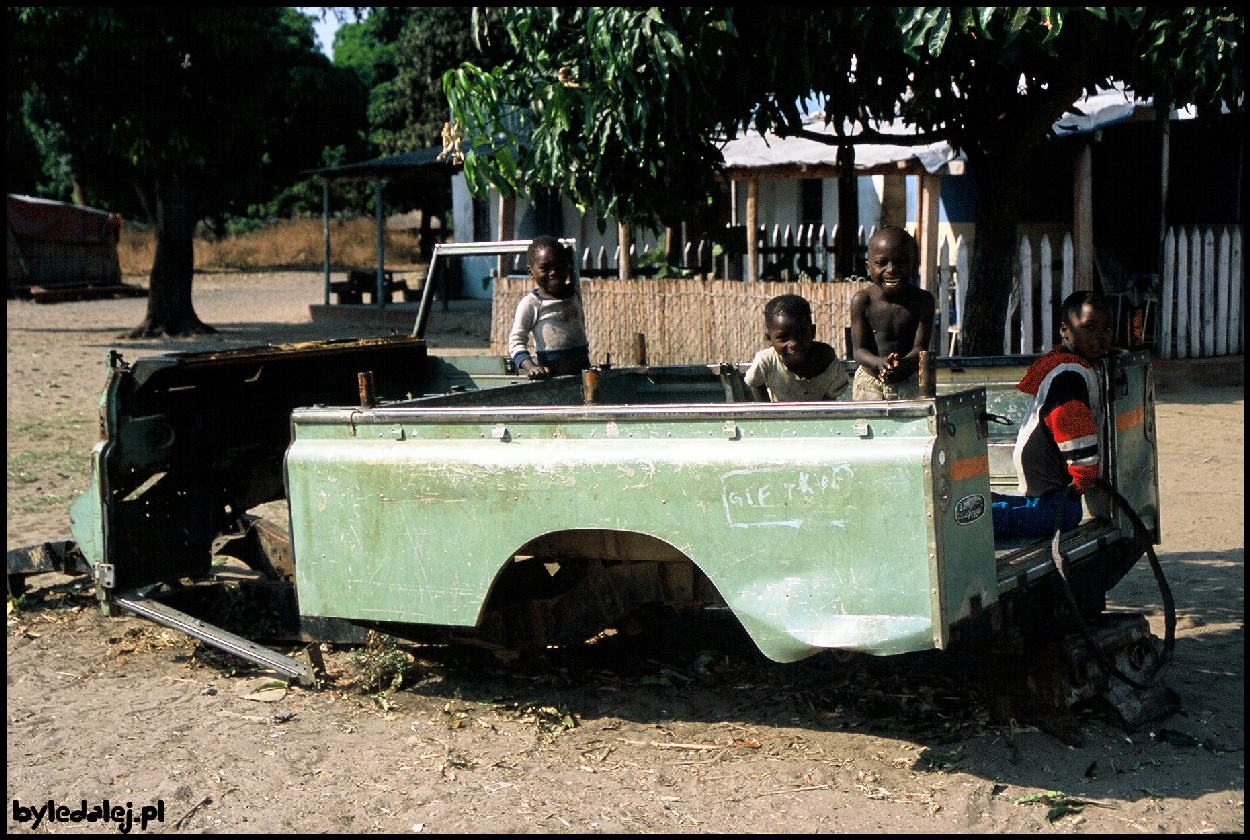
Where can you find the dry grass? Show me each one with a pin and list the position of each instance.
(289, 245)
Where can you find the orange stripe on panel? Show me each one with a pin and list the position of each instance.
(970, 467)
(1128, 419)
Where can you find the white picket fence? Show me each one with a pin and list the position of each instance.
(1195, 309)
(1202, 299)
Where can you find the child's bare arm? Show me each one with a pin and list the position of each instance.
(922, 311)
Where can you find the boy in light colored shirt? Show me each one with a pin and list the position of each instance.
(552, 314)
(794, 367)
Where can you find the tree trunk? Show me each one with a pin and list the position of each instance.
(993, 251)
(846, 249)
(169, 297)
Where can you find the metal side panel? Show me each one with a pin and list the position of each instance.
(813, 531)
(965, 575)
(191, 441)
(1135, 457)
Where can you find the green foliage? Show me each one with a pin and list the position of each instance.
(654, 264)
(382, 666)
(408, 108)
(231, 101)
(368, 46)
(620, 108)
(245, 612)
(614, 107)
(1060, 804)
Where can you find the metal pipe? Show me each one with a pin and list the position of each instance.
(928, 374)
(325, 227)
(368, 396)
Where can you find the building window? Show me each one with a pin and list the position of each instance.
(481, 220)
(811, 201)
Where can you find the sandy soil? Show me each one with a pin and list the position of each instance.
(634, 735)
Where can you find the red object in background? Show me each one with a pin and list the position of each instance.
(56, 221)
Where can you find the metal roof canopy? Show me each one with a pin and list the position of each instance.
(418, 163)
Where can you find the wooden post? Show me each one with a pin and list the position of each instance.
(847, 246)
(506, 230)
(624, 241)
(928, 374)
(927, 238)
(894, 201)
(325, 227)
(590, 387)
(640, 349)
(753, 200)
(1165, 164)
(364, 381)
(381, 295)
(1083, 218)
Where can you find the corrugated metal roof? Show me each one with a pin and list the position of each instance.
(753, 151)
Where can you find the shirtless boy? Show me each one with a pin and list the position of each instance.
(891, 320)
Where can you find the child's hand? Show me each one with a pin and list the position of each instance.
(535, 371)
(889, 367)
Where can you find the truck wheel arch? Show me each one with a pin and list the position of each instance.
(564, 587)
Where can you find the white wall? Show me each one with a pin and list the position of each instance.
(473, 270)
(778, 204)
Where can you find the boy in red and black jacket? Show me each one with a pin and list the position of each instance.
(1058, 442)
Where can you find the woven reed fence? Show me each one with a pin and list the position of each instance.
(684, 321)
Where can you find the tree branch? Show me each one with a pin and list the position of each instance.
(868, 135)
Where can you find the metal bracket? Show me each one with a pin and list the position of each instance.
(105, 575)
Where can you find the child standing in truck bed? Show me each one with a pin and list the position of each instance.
(552, 314)
(794, 366)
(891, 320)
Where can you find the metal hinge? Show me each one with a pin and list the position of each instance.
(105, 575)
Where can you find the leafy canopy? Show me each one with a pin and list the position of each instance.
(232, 101)
(622, 108)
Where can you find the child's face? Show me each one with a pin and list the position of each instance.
(549, 271)
(891, 262)
(790, 338)
(1090, 334)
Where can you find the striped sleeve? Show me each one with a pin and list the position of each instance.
(1072, 425)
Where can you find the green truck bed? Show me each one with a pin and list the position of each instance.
(540, 513)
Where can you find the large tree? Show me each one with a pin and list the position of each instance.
(195, 110)
(410, 54)
(621, 108)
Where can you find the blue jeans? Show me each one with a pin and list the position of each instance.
(1020, 517)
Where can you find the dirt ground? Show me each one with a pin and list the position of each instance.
(692, 735)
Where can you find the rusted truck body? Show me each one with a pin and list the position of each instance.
(855, 525)
(454, 499)
(543, 512)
